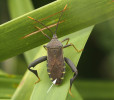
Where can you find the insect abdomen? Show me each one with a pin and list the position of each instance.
(56, 72)
(56, 66)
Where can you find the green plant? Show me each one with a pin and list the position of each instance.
(74, 25)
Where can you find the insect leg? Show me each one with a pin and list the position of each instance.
(74, 69)
(34, 63)
(43, 33)
(41, 24)
(73, 46)
(45, 47)
(41, 29)
(67, 39)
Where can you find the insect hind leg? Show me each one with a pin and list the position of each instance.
(35, 72)
(34, 63)
(74, 69)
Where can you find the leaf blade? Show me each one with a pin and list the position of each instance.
(13, 30)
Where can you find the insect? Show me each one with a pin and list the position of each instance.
(55, 59)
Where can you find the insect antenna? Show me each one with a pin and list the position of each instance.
(60, 18)
(40, 23)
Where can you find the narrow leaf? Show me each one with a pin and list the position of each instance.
(79, 14)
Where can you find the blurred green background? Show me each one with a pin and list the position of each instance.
(96, 65)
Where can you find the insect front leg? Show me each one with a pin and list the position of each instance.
(73, 46)
(45, 47)
(74, 69)
(34, 63)
(67, 39)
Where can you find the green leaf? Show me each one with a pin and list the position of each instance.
(40, 90)
(73, 22)
(95, 89)
(80, 14)
(22, 7)
(76, 94)
(8, 84)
